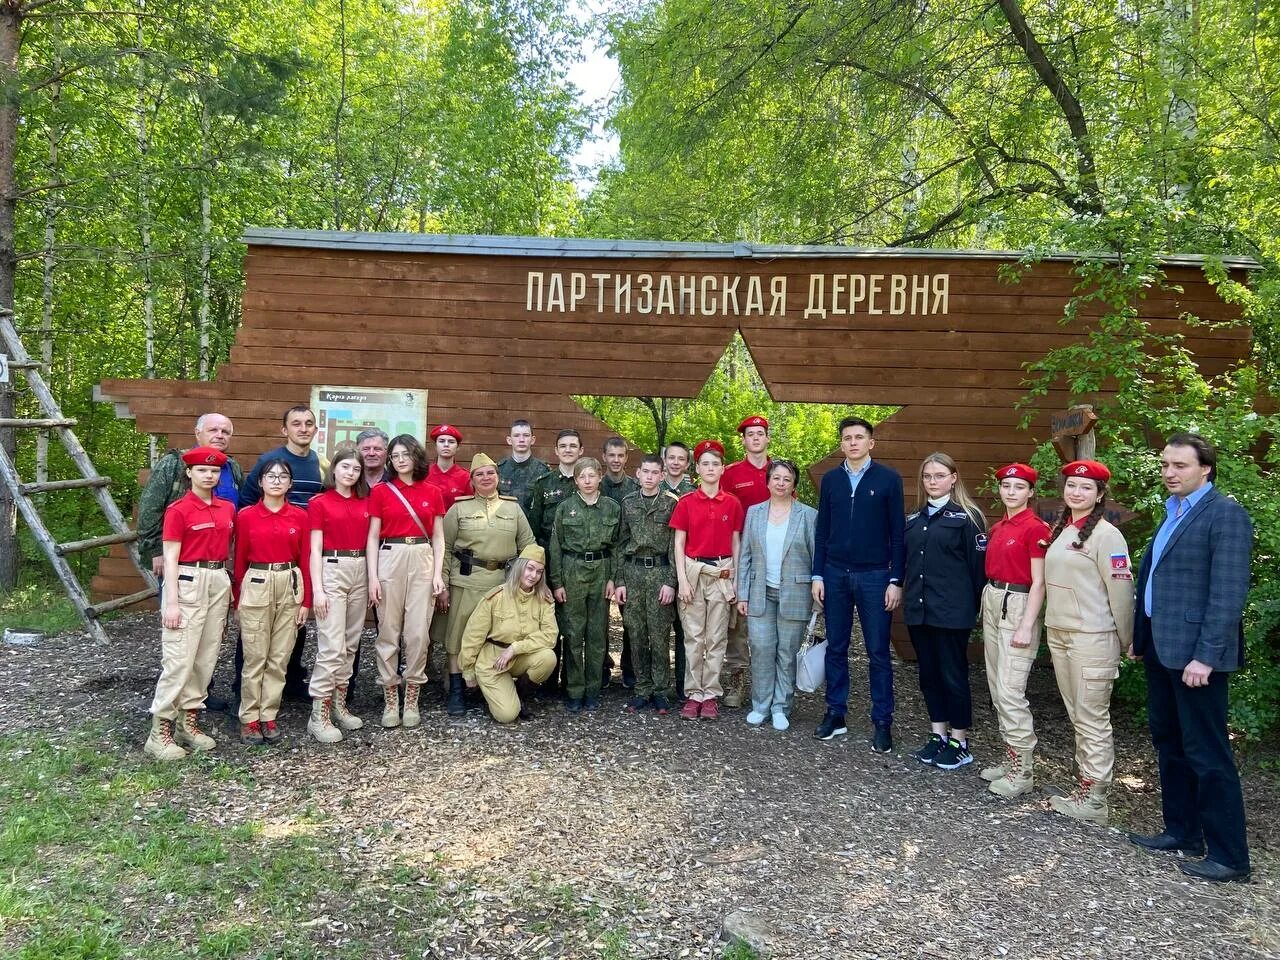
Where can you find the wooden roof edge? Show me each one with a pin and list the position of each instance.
(520, 246)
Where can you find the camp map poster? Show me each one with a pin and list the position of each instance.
(342, 412)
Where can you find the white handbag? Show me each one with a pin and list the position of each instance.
(811, 659)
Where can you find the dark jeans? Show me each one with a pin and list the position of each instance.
(1199, 783)
(942, 656)
(863, 590)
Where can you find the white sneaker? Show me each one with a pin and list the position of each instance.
(755, 718)
(780, 721)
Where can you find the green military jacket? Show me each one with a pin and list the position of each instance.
(582, 527)
(516, 479)
(686, 486)
(646, 532)
(617, 492)
(547, 493)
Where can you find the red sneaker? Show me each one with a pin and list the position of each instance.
(709, 710)
(690, 710)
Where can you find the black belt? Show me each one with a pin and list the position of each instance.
(649, 562)
(342, 553)
(486, 564)
(497, 643)
(204, 564)
(712, 560)
(1011, 587)
(387, 540)
(590, 556)
(275, 567)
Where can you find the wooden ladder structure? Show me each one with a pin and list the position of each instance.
(90, 479)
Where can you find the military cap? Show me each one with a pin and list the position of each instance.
(1018, 471)
(715, 446)
(1089, 469)
(755, 420)
(446, 430)
(481, 460)
(204, 457)
(535, 553)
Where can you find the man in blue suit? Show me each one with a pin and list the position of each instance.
(859, 552)
(1191, 593)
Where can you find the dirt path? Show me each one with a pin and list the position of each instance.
(663, 827)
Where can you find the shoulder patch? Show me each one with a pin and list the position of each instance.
(494, 592)
(912, 516)
(503, 496)
(673, 495)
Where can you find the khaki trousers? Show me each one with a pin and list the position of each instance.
(463, 599)
(1008, 667)
(706, 630)
(499, 686)
(1086, 665)
(404, 617)
(189, 654)
(346, 584)
(269, 601)
(737, 651)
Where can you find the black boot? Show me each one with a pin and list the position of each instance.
(457, 705)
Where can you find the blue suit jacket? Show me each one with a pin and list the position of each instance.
(1198, 588)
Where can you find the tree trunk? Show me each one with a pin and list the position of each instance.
(206, 229)
(48, 262)
(10, 42)
(144, 221)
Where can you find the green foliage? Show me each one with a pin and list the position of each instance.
(803, 432)
(739, 949)
(38, 606)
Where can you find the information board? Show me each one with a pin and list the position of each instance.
(342, 412)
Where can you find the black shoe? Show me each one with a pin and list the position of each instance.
(628, 682)
(883, 742)
(573, 705)
(832, 725)
(591, 703)
(216, 704)
(1212, 870)
(932, 747)
(457, 704)
(953, 756)
(1165, 842)
(526, 714)
(661, 705)
(637, 703)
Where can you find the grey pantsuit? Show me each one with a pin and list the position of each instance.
(776, 619)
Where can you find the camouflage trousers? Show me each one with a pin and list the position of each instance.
(584, 624)
(649, 623)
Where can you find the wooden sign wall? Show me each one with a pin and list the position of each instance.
(500, 328)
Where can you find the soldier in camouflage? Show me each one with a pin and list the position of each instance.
(517, 472)
(581, 567)
(616, 485)
(645, 583)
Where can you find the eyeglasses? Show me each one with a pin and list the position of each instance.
(935, 476)
(402, 455)
(277, 477)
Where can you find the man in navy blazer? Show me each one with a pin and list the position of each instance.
(1191, 595)
(858, 557)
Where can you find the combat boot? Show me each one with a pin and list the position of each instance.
(733, 689)
(1088, 803)
(160, 741)
(391, 706)
(188, 731)
(343, 718)
(321, 725)
(997, 770)
(411, 715)
(1018, 778)
(457, 705)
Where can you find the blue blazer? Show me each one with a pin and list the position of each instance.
(795, 592)
(863, 532)
(1198, 588)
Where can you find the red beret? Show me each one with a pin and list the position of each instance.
(1018, 471)
(204, 457)
(1089, 469)
(755, 420)
(714, 446)
(445, 430)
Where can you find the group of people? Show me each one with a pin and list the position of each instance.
(514, 565)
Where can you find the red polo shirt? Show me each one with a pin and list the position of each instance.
(453, 483)
(709, 523)
(749, 484)
(1011, 546)
(343, 521)
(266, 537)
(203, 529)
(423, 496)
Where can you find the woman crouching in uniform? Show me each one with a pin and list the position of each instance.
(339, 519)
(946, 548)
(511, 635)
(1011, 607)
(1089, 621)
(272, 591)
(196, 545)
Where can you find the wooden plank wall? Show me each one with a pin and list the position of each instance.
(459, 326)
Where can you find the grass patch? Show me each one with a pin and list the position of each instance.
(38, 606)
(739, 949)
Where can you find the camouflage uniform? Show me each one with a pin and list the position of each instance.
(545, 494)
(685, 486)
(646, 564)
(515, 479)
(583, 530)
(617, 492)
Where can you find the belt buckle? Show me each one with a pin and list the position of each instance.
(412, 539)
(649, 562)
